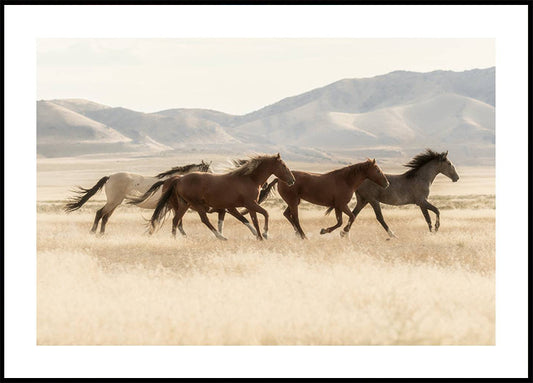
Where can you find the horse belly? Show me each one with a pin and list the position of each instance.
(318, 195)
(395, 196)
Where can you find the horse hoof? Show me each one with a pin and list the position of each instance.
(323, 231)
(265, 235)
(222, 238)
(344, 234)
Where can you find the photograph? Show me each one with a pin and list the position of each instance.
(211, 192)
(266, 191)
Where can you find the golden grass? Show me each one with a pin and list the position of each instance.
(129, 288)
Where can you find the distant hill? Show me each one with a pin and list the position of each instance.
(393, 115)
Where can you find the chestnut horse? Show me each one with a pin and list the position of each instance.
(237, 188)
(174, 204)
(333, 189)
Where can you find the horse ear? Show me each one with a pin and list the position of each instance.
(444, 155)
(374, 161)
(278, 155)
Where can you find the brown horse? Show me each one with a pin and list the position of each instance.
(333, 189)
(174, 204)
(237, 188)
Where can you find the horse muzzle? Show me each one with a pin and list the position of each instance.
(455, 179)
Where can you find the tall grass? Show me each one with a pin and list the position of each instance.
(129, 288)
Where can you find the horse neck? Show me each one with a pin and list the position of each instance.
(428, 172)
(355, 175)
(260, 174)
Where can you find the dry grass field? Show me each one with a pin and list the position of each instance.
(128, 288)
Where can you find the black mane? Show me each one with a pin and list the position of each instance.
(421, 159)
(181, 169)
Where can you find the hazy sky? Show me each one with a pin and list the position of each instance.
(234, 76)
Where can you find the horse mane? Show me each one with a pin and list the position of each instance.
(179, 169)
(353, 167)
(246, 167)
(422, 159)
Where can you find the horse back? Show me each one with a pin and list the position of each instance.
(401, 191)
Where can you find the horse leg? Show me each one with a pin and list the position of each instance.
(296, 219)
(105, 217)
(351, 216)
(379, 216)
(361, 203)
(253, 214)
(180, 228)
(203, 216)
(179, 211)
(97, 218)
(234, 212)
(264, 213)
(175, 223)
(426, 215)
(338, 214)
(221, 215)
(288, 215)
(107, 210)
(429, 206)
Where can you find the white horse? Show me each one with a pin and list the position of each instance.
(119, 186)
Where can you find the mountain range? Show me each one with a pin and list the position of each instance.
(394, 115)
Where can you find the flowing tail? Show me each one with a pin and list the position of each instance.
(264, 194)
(329, 210)
(266, 191)
(145, 196)
(163, 205)
(83, 196)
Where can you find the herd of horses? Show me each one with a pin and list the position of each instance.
(196, 187)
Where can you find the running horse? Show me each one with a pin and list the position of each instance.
(173, 201)
(119, 186)
(411, 187)
(237, 188)
(333, 189)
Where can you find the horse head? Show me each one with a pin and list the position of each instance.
(447, 168)
(281, 170)
(375, 174)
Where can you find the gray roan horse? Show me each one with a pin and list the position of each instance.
(411, 187)
(125, 185)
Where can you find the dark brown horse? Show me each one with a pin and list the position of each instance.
(333, 189)
(237, 188)
(174, 204)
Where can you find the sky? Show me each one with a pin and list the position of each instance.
(235, 76)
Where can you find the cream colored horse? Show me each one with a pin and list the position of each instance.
(119, 186)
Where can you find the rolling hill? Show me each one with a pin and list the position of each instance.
(393, 115)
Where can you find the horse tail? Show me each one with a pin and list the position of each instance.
(83, 196)
(163, 207)
(264, 194)
(328, 210)
(145, 196)
(266, 191)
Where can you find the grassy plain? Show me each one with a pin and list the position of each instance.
(130, 288)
